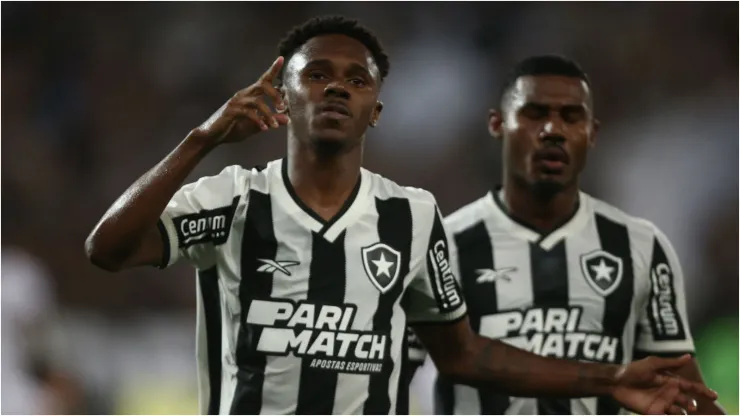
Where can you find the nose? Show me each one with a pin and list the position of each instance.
(336, 90)
(553, 129)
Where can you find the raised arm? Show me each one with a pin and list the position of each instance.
(128, 235)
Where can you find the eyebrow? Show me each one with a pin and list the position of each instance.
(354, 67)
(533, 103)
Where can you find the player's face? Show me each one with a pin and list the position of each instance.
(332, 85)
(547, 126)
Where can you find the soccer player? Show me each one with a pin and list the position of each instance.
(309, 268)
(548, 268)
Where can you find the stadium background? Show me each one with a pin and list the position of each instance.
(95, 94)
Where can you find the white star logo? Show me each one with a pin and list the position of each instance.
(383, 265)
(603, 271)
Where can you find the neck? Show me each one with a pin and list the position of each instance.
(322, 180)
(541, 209)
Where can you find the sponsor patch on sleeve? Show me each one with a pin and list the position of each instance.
(206, 226)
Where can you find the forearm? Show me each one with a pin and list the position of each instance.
(136, 212)
(493, 364)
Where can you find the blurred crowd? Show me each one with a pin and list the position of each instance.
(94, 94)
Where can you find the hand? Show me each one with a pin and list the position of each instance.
(647, 387)
(246, 113)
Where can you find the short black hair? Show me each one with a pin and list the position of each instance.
(542, 65)
(330, 25)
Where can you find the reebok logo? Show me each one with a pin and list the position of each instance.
(270, 266)
(492, 275)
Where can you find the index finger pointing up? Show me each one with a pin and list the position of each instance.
(275, 68)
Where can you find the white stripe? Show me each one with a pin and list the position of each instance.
(580, 293)
(230, 273)
(583, 406)
(466, 400)
(516, 293)
(352, 389)
(282, 374)
(522, 406)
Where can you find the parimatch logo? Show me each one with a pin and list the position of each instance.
(320, 333)
(550, 332)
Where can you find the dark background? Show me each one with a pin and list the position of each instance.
(94, 94)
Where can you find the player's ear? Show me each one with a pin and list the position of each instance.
(495, 123)
(375, 116)
(595, 126)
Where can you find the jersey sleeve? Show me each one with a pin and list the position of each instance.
(199, 217)
(434, 294)
(417, 353)
(663, 328)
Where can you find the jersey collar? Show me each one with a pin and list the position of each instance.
(330, 230)
(548, 240)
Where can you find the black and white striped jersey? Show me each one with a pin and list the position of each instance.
(298, 315)
(604, 287)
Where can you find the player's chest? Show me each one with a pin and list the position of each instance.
(356, 265)
(572, 281)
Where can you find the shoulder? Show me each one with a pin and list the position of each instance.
(228, 179)
(640, 228)
(384, 188)
(243, 179)
(468, 215)
(644, 236)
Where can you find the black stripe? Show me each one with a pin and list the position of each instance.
(408, 369)
(208, 281)
(444, 397)
(475, 251)
(550, 290)
(258, 242)
(165, 245)
(395, 230)
(614, 239)
(326, 286)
